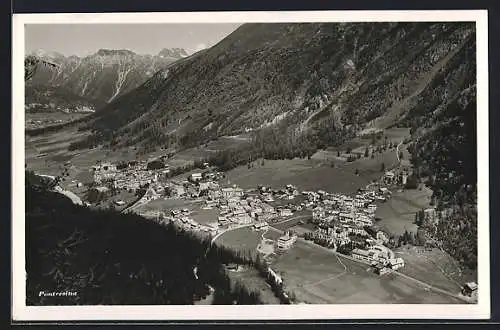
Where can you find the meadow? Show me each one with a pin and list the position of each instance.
(242, 239)
(398, 213)
(316, 275)
(434, 266)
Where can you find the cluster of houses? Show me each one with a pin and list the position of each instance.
(339, 217)
(236, 207)
(269, 195)
(396, 177)
(381, 258)
(131, 177)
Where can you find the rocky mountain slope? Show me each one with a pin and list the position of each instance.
(305, 77)
(98, 78)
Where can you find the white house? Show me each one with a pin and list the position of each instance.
(361, 254)
(286, 212)
(396, 263)
(389, 176)
(261, 226)
(381, 236)
(318, 213)
(286, 241)
(195, 177)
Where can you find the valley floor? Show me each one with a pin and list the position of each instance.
(313, 273)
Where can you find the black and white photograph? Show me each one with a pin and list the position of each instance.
(194, 165)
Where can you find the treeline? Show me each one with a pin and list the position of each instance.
(456, 232)
(281, 142)
(444, 157)
(110, 258)
(91, 141)
(276, 286)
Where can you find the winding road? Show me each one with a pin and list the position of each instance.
(397, 150)
(71, 195)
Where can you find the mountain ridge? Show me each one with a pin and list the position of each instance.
(289, 74)
(99, 77)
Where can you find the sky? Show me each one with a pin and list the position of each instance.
(85, 39)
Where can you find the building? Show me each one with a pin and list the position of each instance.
(470, 289)
(203, 186)
(381, 269)
(382, 237)
(383, 251)
(286, 212)
(404, 178)
(104, 171)
(318, 213)
(255, 212)
(358, 202)
(242, 219)
(359, 254)
(195, 177)
(396, 263)
(286, 241)
(227, 192)
(389, 177)
(261, 226)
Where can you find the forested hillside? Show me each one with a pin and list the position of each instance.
(445, 156)
(109, 258)
(316, 80)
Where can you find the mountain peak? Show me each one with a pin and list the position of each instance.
(111, 52)
(173, 52)
(41, 53)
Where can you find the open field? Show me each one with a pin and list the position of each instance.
(305, 174)
(227, 142)
(370, 169)
(434, 266)
(188, 156)
(313, 174)
(398, 213)
(204, 216)
(272, 234)
(318, 276)
(397, 134)
(242, 239)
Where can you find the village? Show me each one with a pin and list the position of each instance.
(336, 221)
(201, 200)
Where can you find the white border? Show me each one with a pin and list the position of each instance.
(21, 312)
